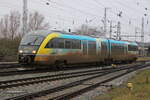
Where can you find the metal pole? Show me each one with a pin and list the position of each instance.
(118, 30)
(136, 33)
(105, 20)
(87, 30)
(110, 30)
(25, 17)
(142, 36)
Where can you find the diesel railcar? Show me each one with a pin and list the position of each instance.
(52, 47)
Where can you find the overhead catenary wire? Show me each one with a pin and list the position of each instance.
(126, 19)
(65, 9)
(75, 9)
(72, 14)
(86, 12)
(69, 18)
(58, 7)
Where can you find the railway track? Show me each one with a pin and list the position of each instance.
(54, 77)
(79, 84)
(40, 70)
(8, 65)
(68, 96)
(20, 72)
(8, 69)
(12, 65)
(27, 81)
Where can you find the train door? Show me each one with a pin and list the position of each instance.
(109, 49)
(104, 49)
(100, 53)
(85, 51)
(98, 47)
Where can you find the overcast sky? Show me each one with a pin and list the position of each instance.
(64, 14)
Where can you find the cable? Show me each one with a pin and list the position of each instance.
(61, 8)
(64, 7)
(70, 19)
(81, 11)
(125, 19)
(87, 13)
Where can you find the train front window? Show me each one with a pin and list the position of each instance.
(32, 40)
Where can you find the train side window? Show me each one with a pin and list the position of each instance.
(117, 48)
(60, 43)
(92, 47)
(47, 45)
(76, 44)
(68, 43)
(51, 44)
(55, 43)
(113, 46)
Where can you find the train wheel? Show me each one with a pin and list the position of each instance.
(108, 62)
(60, 64)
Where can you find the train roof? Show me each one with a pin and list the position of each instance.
(77, 36)
(80, 37)
(39, 32)
(123, 42)
(62, 34)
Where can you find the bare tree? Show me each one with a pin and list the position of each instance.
(14, 23)
(4, 28)
(37, 22)
(87, 30)
(10, 25)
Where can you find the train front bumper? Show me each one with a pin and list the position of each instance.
(26, 58)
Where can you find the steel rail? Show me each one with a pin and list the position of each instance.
(9, 65)
(33, 80)
(68, 96)
(27, 81)
(69, 85)
(20, 72)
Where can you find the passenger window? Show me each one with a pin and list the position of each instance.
(64, 43)
(51, 44)
(55, 43)
(68, 44)
(76, 44)
(92, 47)
(60, 43)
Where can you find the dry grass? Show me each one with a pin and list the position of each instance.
(141, 89)
(143, 59)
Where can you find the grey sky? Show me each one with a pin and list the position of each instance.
(62, 13)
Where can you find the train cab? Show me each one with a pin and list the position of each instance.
(29, 46)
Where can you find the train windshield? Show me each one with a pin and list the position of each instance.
(32, 40)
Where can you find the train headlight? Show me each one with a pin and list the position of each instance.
(33, 51)
(20, 51)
